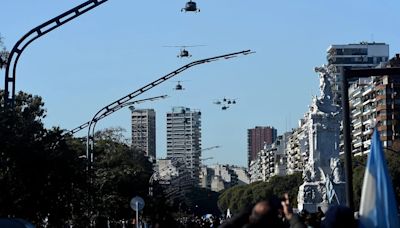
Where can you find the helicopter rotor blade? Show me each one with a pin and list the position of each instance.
(184, 46)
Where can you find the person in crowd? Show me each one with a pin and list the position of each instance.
(266, 213)
(239, 220)
(292, 218)
(339, 216)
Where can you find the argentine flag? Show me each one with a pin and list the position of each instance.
(378, 203)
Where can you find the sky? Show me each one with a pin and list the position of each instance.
(117, 48)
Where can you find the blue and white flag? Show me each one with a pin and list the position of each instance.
(378, 202)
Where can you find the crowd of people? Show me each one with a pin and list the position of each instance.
(275, 212)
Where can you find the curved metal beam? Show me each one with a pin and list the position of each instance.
(127, 98)
(111, 111)
(34, 34)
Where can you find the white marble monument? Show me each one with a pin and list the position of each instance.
(323, 178)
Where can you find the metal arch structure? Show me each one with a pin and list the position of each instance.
(35, 33)
(111, 111)
(127, 98)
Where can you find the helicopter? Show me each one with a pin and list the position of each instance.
(183, 50)
(184, 53)
(225, 102)
(190, 7)
(179, 86)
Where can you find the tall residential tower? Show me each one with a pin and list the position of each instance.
(256, 139)
(184, 139)
(361, 55)
(144, 131)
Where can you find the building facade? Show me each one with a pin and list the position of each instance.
(144, 131)
(297, 148)
(270, 161)
(184, 139)
(361, 55)
(219, 177)
(173, 177)
(375, 100)
(256, 139)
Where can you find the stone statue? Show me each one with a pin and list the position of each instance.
(324, 102)
(308, 194)
(321, 132)
(337, 171)
(324, 82)
(307, 175)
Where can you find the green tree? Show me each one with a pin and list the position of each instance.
(40, 173)
(3, 54)
(239, 197)
(120, 173)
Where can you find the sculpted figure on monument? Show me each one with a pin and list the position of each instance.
(337, 172)
(308, 194)
(324, 83)
(307, 176)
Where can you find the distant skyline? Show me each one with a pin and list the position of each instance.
(118, 47)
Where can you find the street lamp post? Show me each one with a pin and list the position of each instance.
(127, 98)
(111, 111)
(347, 76)
(105, 110)
(35, 33)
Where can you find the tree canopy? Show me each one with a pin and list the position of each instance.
(43, 174)
(243, 196)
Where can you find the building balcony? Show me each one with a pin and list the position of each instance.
(367, 143)
(355, 92)
(357, 133)
(368, 101)
(367, 111)
(356, 113)
(369, 90)
(367, 132)
(357, 123)
(357, 144)
(357, 102)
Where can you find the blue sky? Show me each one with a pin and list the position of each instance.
(117, 48)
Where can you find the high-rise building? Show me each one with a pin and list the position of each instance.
(297, 148)
(271, 161)
(256, 139)
(362, 55)
(184, 139)
(373, 101)
(144, 131)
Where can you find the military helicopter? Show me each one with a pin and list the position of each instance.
(225, 102)
(224, 107)
(179, 86)
(217, 102)
(184, 53)
(190, 7)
